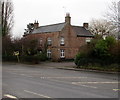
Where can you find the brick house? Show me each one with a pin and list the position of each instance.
(63, 39)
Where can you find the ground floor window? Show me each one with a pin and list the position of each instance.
(62, 53)
(49, 53)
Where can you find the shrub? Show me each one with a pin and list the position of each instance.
(42, 56)
(78, 57)
(99, 52)
(9, 58)
(34, 58)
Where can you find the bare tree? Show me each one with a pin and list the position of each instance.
(113, 13)
(7, 17)
(102, 27)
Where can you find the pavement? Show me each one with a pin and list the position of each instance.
(70, 66)
(47, 80)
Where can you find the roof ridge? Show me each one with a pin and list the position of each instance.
(76, 26)
(52, 24)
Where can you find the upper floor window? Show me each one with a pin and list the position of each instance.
(88, 40)
(62, 41)
(40, 41)
(49, 41)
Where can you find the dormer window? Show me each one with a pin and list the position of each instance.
(49, 41)
(62, 41)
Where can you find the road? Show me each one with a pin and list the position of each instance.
(42, 81)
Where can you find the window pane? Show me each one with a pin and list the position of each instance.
(49, 53)
(49, 41)
(62, 41)
(88, 39)
(62, 54)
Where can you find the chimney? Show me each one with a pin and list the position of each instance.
(85, 25)
(36, 24)
(68, 19)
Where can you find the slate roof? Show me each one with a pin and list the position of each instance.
(49, 28)
(81, 31)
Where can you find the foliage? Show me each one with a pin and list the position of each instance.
(101, 49)
(34, 58)
(42, 56)
(78, 57)
(102, 53)
(9, 58)
(29, 46)
(28, 50)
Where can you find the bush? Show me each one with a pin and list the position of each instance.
(9, 58)
(41, 56)
(27, 58)
(84, 60)
(34, 58)
(78, 57)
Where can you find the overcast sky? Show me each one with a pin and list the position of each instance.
(53, 11)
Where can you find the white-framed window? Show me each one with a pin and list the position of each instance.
(40, 41)
(62, 41)
(62, 53)
(49, 53)
(88, 40)
(49, 41)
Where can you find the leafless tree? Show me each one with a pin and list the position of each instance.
(7, 17)
(102, 27)
(113, 13)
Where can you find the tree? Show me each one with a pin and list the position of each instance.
(30, 28)
(102, 27)
(113, 15)
(7, 48)
(29, 46)
(6, 17)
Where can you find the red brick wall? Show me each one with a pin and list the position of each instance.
(72, 42)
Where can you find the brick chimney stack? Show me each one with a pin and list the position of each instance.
(36, 24)
(85, 25)
(68, 19)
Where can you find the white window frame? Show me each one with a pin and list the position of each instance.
(49, 41)
(88, 39)
(62, 53)
(40, 41)
(49, 53)
(62, 41)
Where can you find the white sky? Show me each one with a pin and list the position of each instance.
(53, 11)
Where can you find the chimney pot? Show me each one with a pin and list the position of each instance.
(85, 25)
(36, 24)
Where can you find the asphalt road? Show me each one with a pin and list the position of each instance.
(41, 81)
